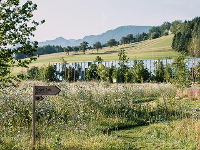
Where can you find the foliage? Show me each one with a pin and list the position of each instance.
(141, 37)
(92, 72)
(130, 38)
(75, 48)
(97, 45)
(33, 72)
(15, 35)
(129, 76)
(165, 27)
(154, 32)
(175, 26)
(112, 42)
(98, 59)
(168, 73)
(105, 74)
(68, 49)
(49, 73)
(119, 73)
(140, 74)
(124, 40)
(197, 73)
(194, 45)
(64, 68)
(47, 49)
(70, 74)
(159, 71)
(186, 37)
(22, 75)
(122, 56)
(109, 72)
(83, 46)
(181, 72)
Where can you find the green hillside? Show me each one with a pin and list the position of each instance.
(149, 49)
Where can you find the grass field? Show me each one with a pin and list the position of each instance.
(98, 115)
(145, 50)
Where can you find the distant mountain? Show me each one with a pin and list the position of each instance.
(103, 38)
(58, 41)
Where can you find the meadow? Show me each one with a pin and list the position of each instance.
(144, 50)
(99, 115)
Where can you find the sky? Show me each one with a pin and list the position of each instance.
(74, 19)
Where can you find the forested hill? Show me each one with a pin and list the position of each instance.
(103, 38)
(187, 37)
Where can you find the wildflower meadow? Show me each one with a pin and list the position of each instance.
(100, 115)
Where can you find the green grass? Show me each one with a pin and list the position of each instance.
(166, 41)
(98, 115)
(166, 135)
(149, 49)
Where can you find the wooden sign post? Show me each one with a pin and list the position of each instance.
(37, 92)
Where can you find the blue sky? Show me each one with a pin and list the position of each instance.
(74, 19)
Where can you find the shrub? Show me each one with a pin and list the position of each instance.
(92, 72)
(49, 73)
(140, 73)
(33, 72)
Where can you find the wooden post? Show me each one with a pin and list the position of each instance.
(34, 117)
(37, 92)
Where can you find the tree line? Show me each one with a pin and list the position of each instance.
(187, 37)
(154, 32)
(177, 73)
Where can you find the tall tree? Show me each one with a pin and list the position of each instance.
(33, 72)
(84, 46)
(159, 71)
(98, 59)
(75, 48)
(92, 72)
(68, 49)
(97, 46)
(155, 32)
(175, 42)
(112, 42)
(181, 71)
(175, 26)
(119, 73)
(15, 35)
(140, 73)
(49, 73)
(124, 40)
(130, 37)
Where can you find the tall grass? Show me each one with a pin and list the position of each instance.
(84, 114)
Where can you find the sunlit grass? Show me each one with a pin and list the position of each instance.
(84, 115)
(179, 134)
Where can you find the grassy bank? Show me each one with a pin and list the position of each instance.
(94, 115)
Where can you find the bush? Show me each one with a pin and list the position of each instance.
(129, 76)
(119, 73)
(92, 72)
(33, 72)
(159, 71)
(140, 73)
(49, 73)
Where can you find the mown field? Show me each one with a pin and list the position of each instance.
(145, 50)
(98, 115)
